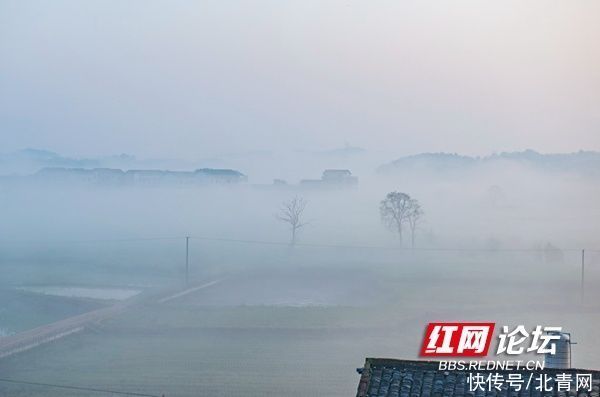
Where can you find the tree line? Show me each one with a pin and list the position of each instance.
(397, 211)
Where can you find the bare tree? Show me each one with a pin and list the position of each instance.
(394, 210)
(413, 217)
(291, 212)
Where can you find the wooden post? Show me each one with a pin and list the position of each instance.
(582, 276)
(187, 260)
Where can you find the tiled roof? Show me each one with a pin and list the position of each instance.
(404, 378)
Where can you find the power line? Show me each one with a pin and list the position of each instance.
(84, 241)
(81, 388)
(280, 243)
(380, 247)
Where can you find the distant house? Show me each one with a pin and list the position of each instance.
(95, 176)
(339, 176)
(180, 178)
(213, 175)
(108, 176)
(332, 178)
(145, 177)
(116, 177)
(60, 175)
(186, 178)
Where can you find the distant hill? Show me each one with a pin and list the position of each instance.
(29, 161)
(582, 162)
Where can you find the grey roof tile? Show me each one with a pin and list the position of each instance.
(406, 378)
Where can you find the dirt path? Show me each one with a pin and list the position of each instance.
(46, 333)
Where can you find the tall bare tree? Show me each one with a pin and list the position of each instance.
(394, 210)
(291, 212)
(413, 217)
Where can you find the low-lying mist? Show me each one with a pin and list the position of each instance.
(507, 207)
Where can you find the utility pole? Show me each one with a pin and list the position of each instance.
(187, 259)
(582, 276)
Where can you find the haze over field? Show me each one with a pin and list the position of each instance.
(500, 200)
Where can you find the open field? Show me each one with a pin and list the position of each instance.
(295, 331)
(22, 310)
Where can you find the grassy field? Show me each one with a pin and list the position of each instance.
(20, 310)
(236, 351)
(251, 351)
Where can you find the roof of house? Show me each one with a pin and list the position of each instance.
(382, 377)
(337, 172)
(219, 172)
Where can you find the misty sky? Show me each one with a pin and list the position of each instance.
(193, 79)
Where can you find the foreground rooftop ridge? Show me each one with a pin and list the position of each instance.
(386, 377)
